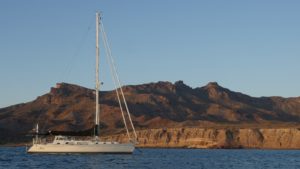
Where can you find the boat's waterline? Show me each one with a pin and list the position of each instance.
(118, 148)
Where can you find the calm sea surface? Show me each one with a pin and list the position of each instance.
(15, 157)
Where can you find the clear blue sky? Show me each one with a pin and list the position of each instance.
(247, 46)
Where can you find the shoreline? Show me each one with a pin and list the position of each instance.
(191, 148)
(207, 138)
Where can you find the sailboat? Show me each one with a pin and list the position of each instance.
(67, 144)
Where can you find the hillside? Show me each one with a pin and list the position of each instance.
(69, 107)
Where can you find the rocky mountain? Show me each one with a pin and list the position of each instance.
(69, 107)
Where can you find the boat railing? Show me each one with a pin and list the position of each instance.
(39, 141)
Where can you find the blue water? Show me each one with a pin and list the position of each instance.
(15, 157)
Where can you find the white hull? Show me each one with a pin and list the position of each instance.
(94, 148)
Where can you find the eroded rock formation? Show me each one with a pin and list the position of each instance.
(280, 138)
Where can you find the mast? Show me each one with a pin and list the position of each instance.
(37, 133)
(97, 75)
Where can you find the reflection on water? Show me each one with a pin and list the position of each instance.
(15, 157)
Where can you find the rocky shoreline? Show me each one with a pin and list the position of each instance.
(279, 138)
(209, 138)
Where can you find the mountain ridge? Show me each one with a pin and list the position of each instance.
(152, 105)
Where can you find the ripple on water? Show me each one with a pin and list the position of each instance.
(156, 158)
